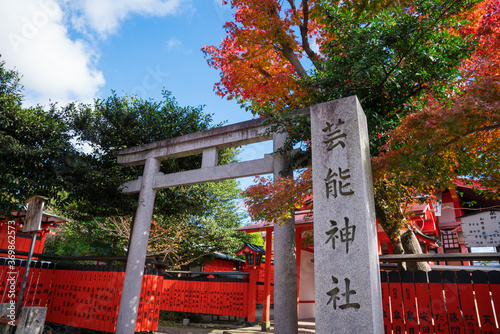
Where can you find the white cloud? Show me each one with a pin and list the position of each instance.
(173, 43)
(177, 45)
(105, 16)
(34, 40)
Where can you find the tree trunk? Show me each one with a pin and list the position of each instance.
(398, 249)
(392, 221)
(390, 226)
(412, 246)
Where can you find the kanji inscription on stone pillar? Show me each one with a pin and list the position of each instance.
(347, 279)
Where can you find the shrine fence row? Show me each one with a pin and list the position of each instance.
(88, 297)
(441, 302)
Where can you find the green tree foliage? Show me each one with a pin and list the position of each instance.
(389, 58)
(207, 212)
(36, 156)
(66, 154)
(82, 238)
(118, 122)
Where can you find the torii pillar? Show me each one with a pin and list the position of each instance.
(129, 301)
(285, 265)
(206, 143)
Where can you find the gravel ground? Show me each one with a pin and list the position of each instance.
(306, 327)
(188, 330)
(51, 328)
(179, 329)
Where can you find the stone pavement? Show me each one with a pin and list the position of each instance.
(306, 326)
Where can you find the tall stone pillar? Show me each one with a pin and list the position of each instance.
(346, 265)
(131, 291)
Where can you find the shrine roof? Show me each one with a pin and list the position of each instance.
(224, 256)
(255, 248)
(476, 197)
(301, 218)
(46, 217)
(469, 184)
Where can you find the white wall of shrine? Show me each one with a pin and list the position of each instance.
(306, 285)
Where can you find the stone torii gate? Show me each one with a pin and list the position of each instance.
(347, 280)
(207, 143)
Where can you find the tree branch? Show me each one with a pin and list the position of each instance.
(288, 53)
(261, 71)
(286, 50)
(483, 128)
(304, 29)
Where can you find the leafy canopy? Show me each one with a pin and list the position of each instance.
(425, 73)
(66, 154)
(389, 58)
(36, 155)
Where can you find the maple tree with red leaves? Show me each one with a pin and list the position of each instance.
(458, 135)
(424, 75)
(453, 137)
(446, 138)
(265, 51)
(274, 200)
(261, 55)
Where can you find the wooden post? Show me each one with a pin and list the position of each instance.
(298, 241)
(32, 223)
(26, 274)
(266, 319)
(252, 295)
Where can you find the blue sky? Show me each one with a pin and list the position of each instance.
(79, 50)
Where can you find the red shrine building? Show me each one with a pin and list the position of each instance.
(22, 239)
(437, 224)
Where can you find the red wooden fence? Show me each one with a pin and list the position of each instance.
(219, 265)
(219, 296)
(88, 297)
(441, 302)
(82, 296)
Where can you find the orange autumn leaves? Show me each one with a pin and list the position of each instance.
(259, 60)
(448, 137)
(272, 200)
(446, 140)
(458, 136)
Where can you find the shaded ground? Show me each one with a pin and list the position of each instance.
(190, 329)
(305, 327)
